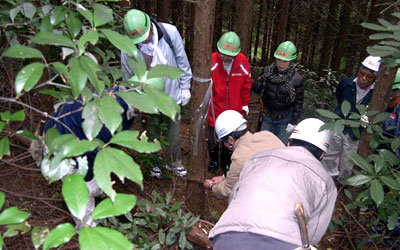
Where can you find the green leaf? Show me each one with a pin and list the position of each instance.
(17, 116)
(74, 24)
(139, 101)
(60, 68)
(20, 51)
(28, 10)
(389, 181)
(85, 13)
(345, 107)
(373, 26)
(2, 124)
(376, 191)
(182, 241)
(75, 194)
(91, 68)
(171, 238)
(161, 236)
(163, 102)
(55, 169)
(162, 70)
(381, 117)
(102, 15)
(27, 134)
(45, 25)
(379, 165)
(348, 194)
(28, 77)
(38, 236)
(358, 180)
(77, 147)
(139, 67)
(4, 147)
(59, 235)
(128, 138)
(47, 38)
(54, 141)
(14, 12)
(392, 221)
(123, 43)
(111, 160)
(389, 156)
(58, 15)
(12, 215)
(110, 113)
(338, 127)
(2, 199)
(380, 36)
(123, 204)
(374, 51)
(396, 14)
(91, 124)
(328, 114)
(92, 36)
(78, 77)
(83, 166)
(102, 238)
(362, 163)
(13, 230)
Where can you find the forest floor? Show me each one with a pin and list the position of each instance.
(25, 187)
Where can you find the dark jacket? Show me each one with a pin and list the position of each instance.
(274, 97)
(347, 91)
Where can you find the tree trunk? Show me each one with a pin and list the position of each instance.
(232, 16)
(202, 49)
(379, 101)
(219, 12)
(305, 52)
(282, 22)
(162, 11)
(244, 24)
(264, 57)
(178, 7)
(316, 34)
(341, 38)
(260, 11)
(189, 24)
(328, 38)
(148, 4)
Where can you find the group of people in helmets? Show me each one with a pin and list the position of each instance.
(267, 172)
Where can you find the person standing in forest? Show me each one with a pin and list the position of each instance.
(282, 92)
(356, 90)
(231, 129)
(161, 43)
(260, 214)
(231, 76)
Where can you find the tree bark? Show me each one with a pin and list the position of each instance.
(189, 24)
(379, 101)
(260, 11)
(305, 54)
(219, 12)
(264, 56)
(202, 49)
(244, 24)
(162, 11)
(148, 4)
(328, 38)
(282, 22)
(340, 40)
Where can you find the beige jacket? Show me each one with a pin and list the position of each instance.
(245, 147)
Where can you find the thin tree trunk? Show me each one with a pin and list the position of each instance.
(316, 35)
(244, 24)
(202, 47)
(260, 11)
(305, 54)
(189, 24)
(264, 57)
(232, 16)
(162, 11)
(341, 38)
(328, 38)
(148, 4)
(218, 23)
(282, 22)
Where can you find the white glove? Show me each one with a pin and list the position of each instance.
(290, 128)
(246, 109)
(364, 118)
(185, 96)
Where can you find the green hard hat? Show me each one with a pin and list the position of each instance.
(157, 82)
(396, 84)
(286, 51)
(229, 44)
(137, 25)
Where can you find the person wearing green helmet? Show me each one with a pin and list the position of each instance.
(231, 76)
(161, 43)
(282, 90)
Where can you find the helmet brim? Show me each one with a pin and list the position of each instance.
(143, 36)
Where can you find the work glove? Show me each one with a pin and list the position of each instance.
(364, 118)
(290, 128)
(185, 96)
(246, 109)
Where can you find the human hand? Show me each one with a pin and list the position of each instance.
(290, 128)
(246, 109)
(208, 184)
(217, 179)
(364, 118)
(185, 96)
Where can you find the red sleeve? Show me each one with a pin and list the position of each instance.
(245, 93)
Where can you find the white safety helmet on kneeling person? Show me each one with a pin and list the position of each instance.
(308, 131)
(229, 121)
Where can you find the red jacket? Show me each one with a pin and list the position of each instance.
(229, 92)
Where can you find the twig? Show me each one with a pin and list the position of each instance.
(207, 222)
(20, 167)
(348, 237)
(359, 224)
(28, 196)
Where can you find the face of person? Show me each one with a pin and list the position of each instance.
(365, 78)
(282, 65)
(149, 38)
(226, 58)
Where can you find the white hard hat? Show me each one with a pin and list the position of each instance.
(228, 122)
(308, 130)
(372, 63)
